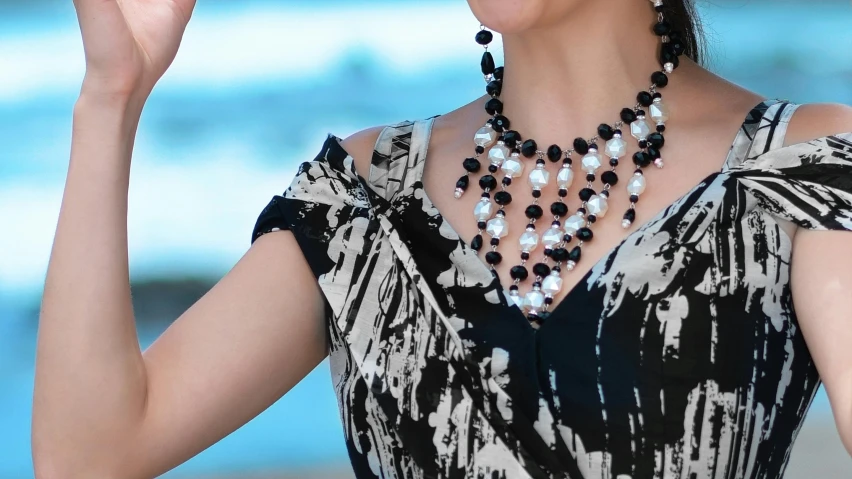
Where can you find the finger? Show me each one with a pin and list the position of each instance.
(185, 7)
(102, 24)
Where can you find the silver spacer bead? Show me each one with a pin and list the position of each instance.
(659, 163)
(626, 223)
(570, 265)
(668, 67)
(458, 193)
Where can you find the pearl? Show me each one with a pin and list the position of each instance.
(485, 136)
(483, 209)
(498, 154)
(573, 223)
(591, 162)
(513, 167)
(659, 111)
(539, 177)
(597, 205)
(551, 238)
(497, 227)
(640, 128)
(668, 67)
(552, 284)
(528, 241)
(659, 163)
(565, 177)
(626, 223)
(534, 300)
(458, 193)
(636, 184)
(616, 147)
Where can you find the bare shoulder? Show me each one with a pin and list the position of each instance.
(815, 120)
(360, 147)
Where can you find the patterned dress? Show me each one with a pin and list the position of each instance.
(678, 355)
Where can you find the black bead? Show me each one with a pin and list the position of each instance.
(628, 115)
(609, 178)
(484, 37)
(613, 162)
(507, 180)
(476, 243)
(660, 79)
(487, 63)
(605, 131)
(590, 177)
(605, 193)
(640, 112)
(511, 138)
(493, 258)
(661, 128)
(480, 149)
(498, 73)
(481, 225)
(487, 182)
(630, 215)
(668, 55)
(591, 218)
(494, 88)
(493, 106)
(541, 269)
(547, 300)
(653, 152)
(534, 212)
(529, 148)
(581, 146)
(554, 153)
(525, 256)
(585, 234)
(656, 140)
(536, 193)
(659, 8)
(558, 209)
(501, 123)
(644, 98)
(642, 159)
(471, 164)
(543, 316)
(519, 272)
(678, 46)
(657, 95)
(562, 192)
(559, 255)
(662, 28)
(643, 144)
(586, 193)
(492, 168)
(463, 182)
(502, 198)
(567, 238)
(575, 254)
(495, 241)
(634, 198)
(581, 210)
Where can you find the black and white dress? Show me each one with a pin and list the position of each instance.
(678, 355)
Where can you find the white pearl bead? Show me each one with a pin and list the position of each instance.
(513, 167)
(592, 161)
(573, 223)
(551, 237)
(552, 284)
(640, 128)
(636, 184)
(498, 154)
(597, 205)
(539, 177)
(528, 241)
(533, 301)
(616, 147)
(483, 209)
(485, 136)
(659, 111)
(565, 177)
(497, 227)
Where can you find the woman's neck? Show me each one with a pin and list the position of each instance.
(564, 79)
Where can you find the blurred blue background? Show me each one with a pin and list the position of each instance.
(252, 93)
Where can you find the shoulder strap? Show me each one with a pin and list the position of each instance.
(763, 129)
(398, 156)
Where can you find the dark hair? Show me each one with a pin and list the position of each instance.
(681, 14)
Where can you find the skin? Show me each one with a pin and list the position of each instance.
(104, 408)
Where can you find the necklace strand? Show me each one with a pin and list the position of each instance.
(506, 147)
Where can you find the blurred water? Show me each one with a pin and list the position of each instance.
(256, 87)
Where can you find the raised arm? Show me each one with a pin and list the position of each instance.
(102, 408)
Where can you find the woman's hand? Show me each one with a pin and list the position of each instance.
(129, 44)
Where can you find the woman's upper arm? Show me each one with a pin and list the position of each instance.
(250, 339)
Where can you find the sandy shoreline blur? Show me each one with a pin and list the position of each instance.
(818, 454)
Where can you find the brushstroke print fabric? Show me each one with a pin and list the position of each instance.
(677, 356)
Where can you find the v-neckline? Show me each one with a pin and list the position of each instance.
(482, 267)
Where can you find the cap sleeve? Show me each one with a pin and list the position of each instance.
(325, 195)
(808, 183)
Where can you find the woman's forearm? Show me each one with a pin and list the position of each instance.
(90, 385)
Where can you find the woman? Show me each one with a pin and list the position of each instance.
(565, 329)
